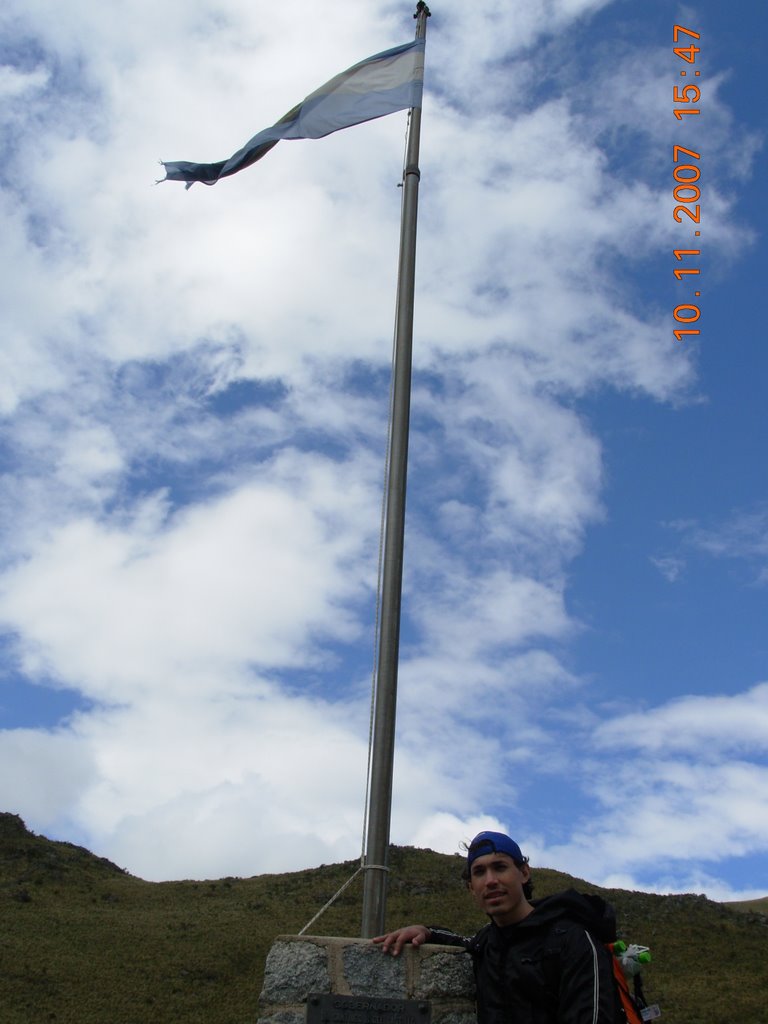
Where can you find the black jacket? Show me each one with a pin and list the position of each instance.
(550, 968)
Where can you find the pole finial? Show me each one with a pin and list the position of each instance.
(421, 6)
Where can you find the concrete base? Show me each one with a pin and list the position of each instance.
(300, 964)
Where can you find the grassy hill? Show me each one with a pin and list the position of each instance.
(83, 942)
(751, 906)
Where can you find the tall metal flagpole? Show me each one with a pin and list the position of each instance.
(383, 750)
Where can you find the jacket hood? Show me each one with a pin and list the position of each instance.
(592, 912)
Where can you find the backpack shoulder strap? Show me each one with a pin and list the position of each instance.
(629, 1009)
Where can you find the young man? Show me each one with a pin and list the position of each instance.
(538, 961)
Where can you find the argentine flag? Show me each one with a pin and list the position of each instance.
(382, 84)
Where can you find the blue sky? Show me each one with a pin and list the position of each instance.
(193, 391)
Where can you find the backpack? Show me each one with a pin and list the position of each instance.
(600, 921)
(627, 961)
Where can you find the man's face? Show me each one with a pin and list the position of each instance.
(496, 883)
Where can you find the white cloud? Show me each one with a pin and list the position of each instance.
(706, 726)
(43, 773)
(14, 82)
(248, 578)
(685, 791)
(670, 567)
(202, 571)
(742, 536)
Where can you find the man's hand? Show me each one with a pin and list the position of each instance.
(394, 941)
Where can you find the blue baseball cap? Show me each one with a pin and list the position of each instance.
(492, 842)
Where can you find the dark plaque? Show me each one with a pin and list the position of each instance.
(328, 1009)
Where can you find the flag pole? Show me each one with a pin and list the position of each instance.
(383, 746)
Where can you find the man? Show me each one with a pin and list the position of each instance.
(538, 961)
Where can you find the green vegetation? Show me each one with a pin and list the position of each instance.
(751, 906)
(82, 942)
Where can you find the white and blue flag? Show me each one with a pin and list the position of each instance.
(382, 84)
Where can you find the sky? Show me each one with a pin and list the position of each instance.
(194, 396)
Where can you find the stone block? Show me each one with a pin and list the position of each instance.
(444, 975)
(369, 972)
(293, 970)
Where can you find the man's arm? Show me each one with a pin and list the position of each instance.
(417, 935)
(393, 942)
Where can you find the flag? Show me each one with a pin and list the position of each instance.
(388, 81)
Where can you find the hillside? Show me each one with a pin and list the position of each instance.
(83, 942)
(759, 906)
